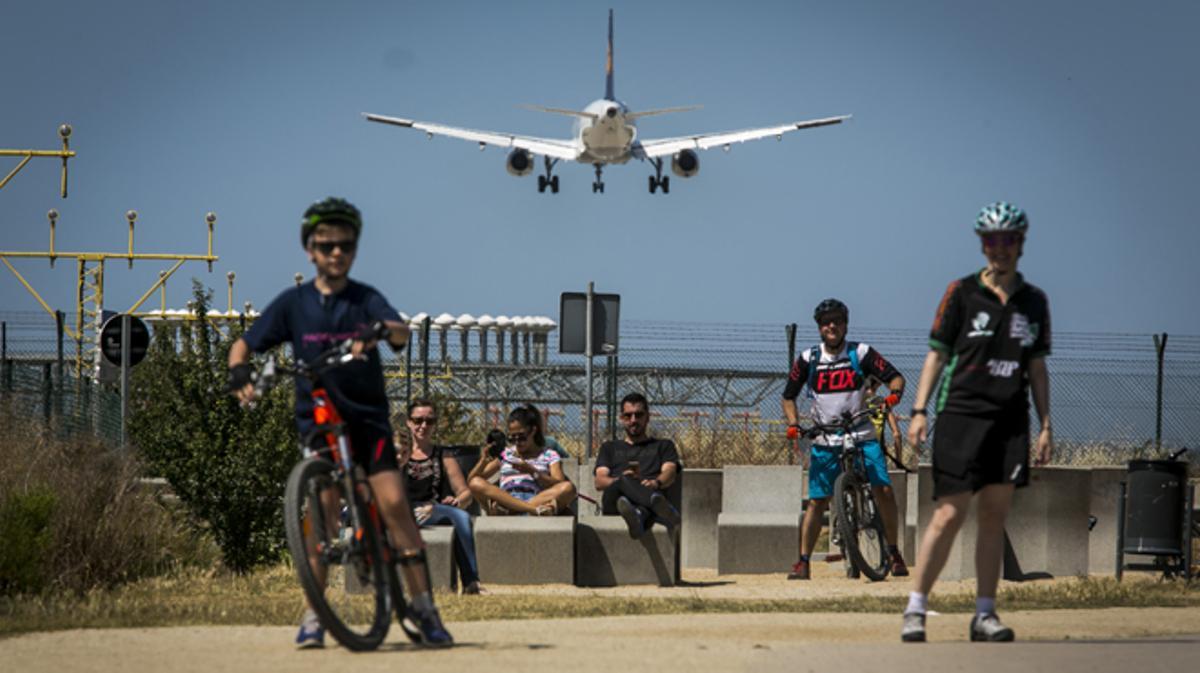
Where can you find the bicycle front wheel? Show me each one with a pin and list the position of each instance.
(341, 569)
(861, 527)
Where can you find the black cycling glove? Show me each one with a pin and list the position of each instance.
(240, 376)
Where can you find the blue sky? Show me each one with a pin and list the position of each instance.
(1082, 113)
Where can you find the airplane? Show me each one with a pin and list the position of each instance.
(605, 132)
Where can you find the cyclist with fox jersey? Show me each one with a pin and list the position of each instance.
(835, 372)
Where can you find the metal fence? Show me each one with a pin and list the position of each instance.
(715, 388)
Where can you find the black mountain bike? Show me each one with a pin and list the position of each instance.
(855, 514)
(335, 533)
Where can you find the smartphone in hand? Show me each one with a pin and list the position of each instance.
(633, 467)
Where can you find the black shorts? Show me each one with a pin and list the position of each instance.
(970, 452)
(370, 447)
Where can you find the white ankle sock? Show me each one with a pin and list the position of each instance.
(985, 606)
(917, 603)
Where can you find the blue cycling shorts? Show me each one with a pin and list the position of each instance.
(824, 466)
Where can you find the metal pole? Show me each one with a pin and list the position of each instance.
(125, 339)
(408, 373)
(425, 357)
(4, 353)
(612, 397)
(1160, 345)
(587, 352)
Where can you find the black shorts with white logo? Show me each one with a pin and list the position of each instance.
(970, 452)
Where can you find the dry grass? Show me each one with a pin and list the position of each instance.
(272, 597)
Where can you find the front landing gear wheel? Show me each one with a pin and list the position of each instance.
(598, 187)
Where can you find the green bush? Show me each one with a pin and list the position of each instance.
(25, 540)
(228, 465)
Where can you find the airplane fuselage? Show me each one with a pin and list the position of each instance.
(605, 136)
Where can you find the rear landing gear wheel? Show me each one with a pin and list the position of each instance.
(597, 187)
(542, 184)
(653, 184)
(554, 185)
(665, 183)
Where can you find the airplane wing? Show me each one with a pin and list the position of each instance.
(668, 146)
(556, 149)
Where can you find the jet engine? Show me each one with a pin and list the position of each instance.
(685, 164)
(519, 162)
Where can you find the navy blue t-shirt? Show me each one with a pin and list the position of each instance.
(314, 323)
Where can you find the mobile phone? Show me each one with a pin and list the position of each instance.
(635, 466)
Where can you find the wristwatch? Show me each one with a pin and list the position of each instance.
(917, 412)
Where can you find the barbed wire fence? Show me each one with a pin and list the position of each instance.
(715, 388)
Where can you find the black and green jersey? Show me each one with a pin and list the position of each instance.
(989, 345)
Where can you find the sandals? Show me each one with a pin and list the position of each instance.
(549, 509)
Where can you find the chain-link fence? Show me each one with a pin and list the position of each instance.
(715, 388)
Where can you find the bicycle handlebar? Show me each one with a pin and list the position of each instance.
(844, 424)
(334, 357)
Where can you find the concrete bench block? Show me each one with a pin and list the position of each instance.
(774, 489)
(606, 556)
(586, 486)
(906, 533)
(1047, 524)
(757, 542)
(701, 505)
(525, 549)
(1103, 503)
(439, 552)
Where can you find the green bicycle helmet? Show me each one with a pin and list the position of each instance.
(831, 306)
(1001, 216)
(332, 210)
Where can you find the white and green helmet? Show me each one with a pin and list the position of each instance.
(1001, 216)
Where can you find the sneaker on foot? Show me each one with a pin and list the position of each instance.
(312, 634)
(913, 630)
(800, 571)
(987, 628)
(664, 510)
(899, 569)
(433, 632)
(633, 518)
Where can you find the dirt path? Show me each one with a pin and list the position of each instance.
(1094, 641)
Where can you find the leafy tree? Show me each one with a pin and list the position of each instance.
(227, 464)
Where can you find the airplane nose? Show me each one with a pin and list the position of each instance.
(612, 112)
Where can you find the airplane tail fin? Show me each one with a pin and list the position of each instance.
(661, 111)
(608, 65)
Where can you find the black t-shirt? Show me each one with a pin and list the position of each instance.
(423, 478)
(990, 345)
(651, 454)
(314, 323)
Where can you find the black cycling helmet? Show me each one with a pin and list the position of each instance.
(332, 210)
(830, 306)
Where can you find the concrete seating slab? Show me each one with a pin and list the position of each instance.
(606, 556)
(701, 507)
(1047, 524)
(525, 549)
(758, 529)
(439, 553)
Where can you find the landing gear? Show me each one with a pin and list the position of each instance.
(657, 180)
(598, 185)
(548, 180)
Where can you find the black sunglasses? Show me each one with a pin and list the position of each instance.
(326, 247)
(517, 437)
(423, 420)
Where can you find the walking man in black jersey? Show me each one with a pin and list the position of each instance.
(991, 336)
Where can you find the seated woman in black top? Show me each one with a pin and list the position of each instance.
(427, 474)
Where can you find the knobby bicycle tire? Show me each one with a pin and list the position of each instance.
(355, 603)
(862, 530)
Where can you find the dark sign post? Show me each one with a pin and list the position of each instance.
(587, 320)
(123, 341)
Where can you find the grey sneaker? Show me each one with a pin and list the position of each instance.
(987, 628)
(913, 630)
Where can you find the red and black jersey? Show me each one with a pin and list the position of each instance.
(990, 345)
(836, 383)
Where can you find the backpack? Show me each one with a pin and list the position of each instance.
(814, 357)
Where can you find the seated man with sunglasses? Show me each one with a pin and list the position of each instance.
(633, 473)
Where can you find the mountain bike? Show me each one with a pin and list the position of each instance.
(855, 515)
(335, 532)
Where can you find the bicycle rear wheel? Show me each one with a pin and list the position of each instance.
(861, 527)
(340, 568)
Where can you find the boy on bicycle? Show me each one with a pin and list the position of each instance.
(836, 372)
(314, 317)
